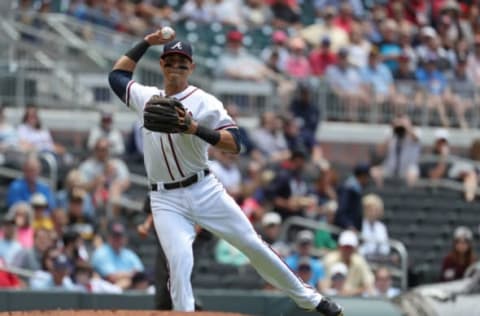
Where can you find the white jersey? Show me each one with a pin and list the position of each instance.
(174, 157)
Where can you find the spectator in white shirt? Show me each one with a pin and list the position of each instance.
(359, 47)
(269, 138)
(106, 130)
(107, 178)
(196, 11)
(237, 63)
(34, 135)
(374, 233)
(256, 13)
(226, 12)
(31, 131)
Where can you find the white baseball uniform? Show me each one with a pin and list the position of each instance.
(175, 157)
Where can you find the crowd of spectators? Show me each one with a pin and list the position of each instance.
(70, 235)
(75, 237)
(411, 56)
(282, 171)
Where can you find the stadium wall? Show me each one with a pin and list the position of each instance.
(252, 303)
(343, 143)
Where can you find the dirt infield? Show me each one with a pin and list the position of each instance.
(112, 313)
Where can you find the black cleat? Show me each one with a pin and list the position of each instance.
(329, 308)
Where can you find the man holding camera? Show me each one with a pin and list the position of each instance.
(401, 151)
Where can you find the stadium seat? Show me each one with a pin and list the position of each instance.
(252, 281)
(206, 281)
(424, 220)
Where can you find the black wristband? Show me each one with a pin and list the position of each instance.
(138, 50)
(209, 135)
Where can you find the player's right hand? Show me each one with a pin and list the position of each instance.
(156, 38)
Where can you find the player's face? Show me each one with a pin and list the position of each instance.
(176, 67)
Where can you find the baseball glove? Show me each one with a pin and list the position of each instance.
(165, 115)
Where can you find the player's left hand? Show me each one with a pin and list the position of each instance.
(166, 115)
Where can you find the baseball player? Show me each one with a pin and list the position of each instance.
(180, 121)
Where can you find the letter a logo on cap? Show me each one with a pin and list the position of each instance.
(177, 46)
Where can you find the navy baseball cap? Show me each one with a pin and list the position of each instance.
(178, 47)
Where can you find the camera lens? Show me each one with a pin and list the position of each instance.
(400, 131)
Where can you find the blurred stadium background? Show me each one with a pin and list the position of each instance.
(357, 115)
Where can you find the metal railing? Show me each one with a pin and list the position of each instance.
(43, 84)
(408, 97)
(251, 97)
(429, 158)
(51, 161)
(401, 272)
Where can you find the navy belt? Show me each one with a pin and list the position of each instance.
(180, 184)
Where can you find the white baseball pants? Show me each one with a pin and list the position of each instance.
(206, 203)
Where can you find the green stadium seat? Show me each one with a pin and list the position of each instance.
(216, 27)
(220, 39)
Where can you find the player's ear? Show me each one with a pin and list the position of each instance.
(192, 67)
(162, 63)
